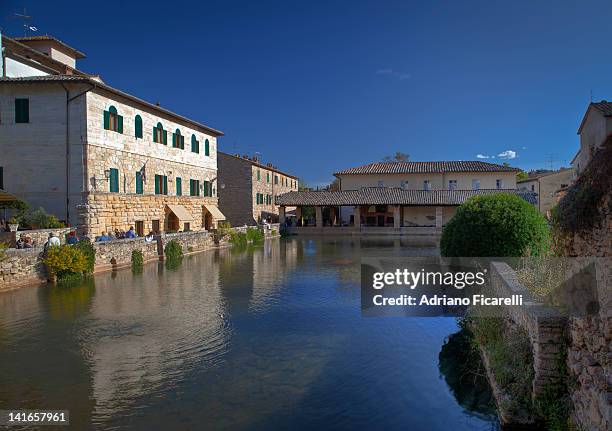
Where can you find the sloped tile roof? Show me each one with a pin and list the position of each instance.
(99, 84)
(391, 196)
(426, 167)
(604, 107)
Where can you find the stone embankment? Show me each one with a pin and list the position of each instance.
(20, 268)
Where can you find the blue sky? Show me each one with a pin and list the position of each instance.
(320, 86)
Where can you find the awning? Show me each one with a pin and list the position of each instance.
(6, 196)
(180, 212)
(216, 213)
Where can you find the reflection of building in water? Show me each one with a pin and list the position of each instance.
(142, 338)
(270, 269)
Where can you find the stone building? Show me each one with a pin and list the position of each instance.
(403, 197)
(248, 189)
(99, 158)
(595, 127)
(547, 186)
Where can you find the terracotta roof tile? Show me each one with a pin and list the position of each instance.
(426, 167)
(391, 196)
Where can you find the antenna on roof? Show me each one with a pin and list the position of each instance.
(25, 18)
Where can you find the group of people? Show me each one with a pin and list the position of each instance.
(131, 233)
(110, 236)
(53, 240)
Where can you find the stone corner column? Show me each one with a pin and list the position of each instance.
(397, 222)
(439, 219)
(357, 218)
(281, 215)
(319, 217)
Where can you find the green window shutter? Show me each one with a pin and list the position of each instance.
(138, 126)
(258, 175)
(165, 185)
(120, 123)
(1, 177)
(106, 120)
(114, 180)
(206, 148)
(157, 180)
(267, 177)
(139, 183)
(154, 134)
(191, 188)
(179, 186)
(165, 137)
(22, 110)
(174, 140)
(206, 188)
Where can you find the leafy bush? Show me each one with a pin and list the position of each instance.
(89, 251)
(3, 246)
(173, 250)
(238, 239)
(39, 219)
(496, 225)
(66, 262)
(254, 235)
(137, 261)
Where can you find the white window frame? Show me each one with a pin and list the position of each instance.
(475, 184)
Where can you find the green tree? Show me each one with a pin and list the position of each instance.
(397, 157)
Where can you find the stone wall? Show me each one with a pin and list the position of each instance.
(110, 211)
(546, 326)
(589, 356)
(21, 267)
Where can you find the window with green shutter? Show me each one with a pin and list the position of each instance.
(161, 185)
(22, 110)
(178, 141)
(205, 188)
(179, 186)
(138, 127)
(112, 120)
(194, 187)
(267, 177)
(195, 145)
(275, 179)
(114, 180)
(258, 175)
(160, 135)
(139, 184)
(206, 148)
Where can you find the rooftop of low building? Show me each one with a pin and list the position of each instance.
(426, 167)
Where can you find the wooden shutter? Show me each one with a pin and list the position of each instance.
(206, 148)
(165, 185)
(106, 120)
(114, 180)
(139, 183)
(165, 137)
(120, 123)
(179, 186)
(157, 181)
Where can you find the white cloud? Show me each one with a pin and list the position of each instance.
(394, 73)
(508, 154)
(482, 156)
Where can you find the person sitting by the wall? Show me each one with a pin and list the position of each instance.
(28, 243)
(53, 241)
(150, 237)
(103, 237)
(21, 241)
(130, 233)
(72, 238)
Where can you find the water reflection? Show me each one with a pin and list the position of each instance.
(265, 338)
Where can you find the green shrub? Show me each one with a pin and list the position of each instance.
(137, 261)
(274, 232)
(238, 239)
(66, 262)
(496, 225)
(39, 219)
(190, 249)
(89, 251)
(3, 246)
(173, 250)
(254, 235)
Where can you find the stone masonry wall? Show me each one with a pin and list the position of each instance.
(545, 325)
(21, 267)
(589, 356)
(110, 211)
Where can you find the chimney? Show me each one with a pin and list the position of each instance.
(53, 48)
